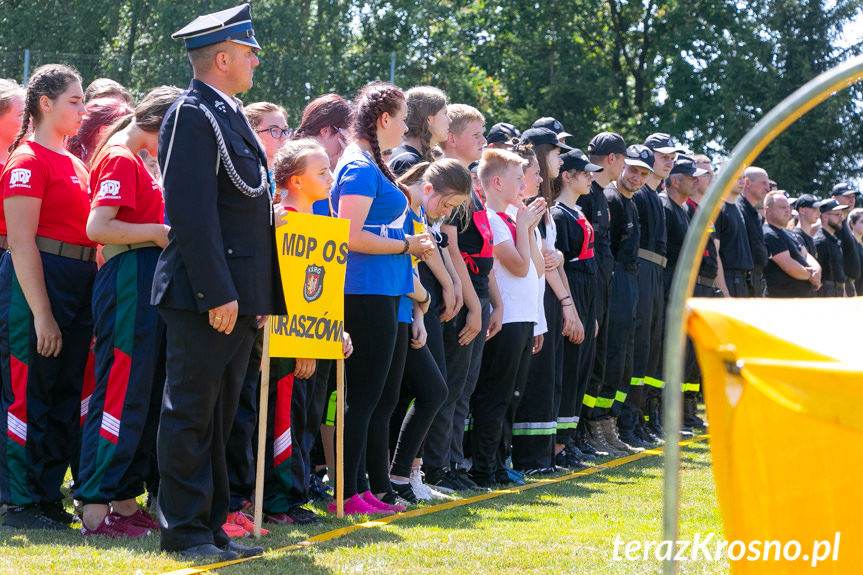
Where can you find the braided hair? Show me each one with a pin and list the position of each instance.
(423, 101)
(371, 103)
(49, 80)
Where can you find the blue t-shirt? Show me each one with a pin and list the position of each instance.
(406, 304)
(390, 274)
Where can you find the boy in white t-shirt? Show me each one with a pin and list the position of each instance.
(506, 356)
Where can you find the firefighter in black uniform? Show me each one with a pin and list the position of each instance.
(829, 249)
(755, 188)
(734, 250)
(808, 214)
(791, 271)
(625, 238)
(847, 196)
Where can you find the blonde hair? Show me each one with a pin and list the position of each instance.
(8, 90)
(291, 159)
(460, 116)
(254, 112)
(495, 162)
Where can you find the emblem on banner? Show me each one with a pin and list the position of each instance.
(314, 284)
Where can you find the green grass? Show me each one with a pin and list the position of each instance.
(568, 527)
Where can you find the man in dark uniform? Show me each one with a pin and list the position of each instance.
(651, 299)
(847, 196)
(608, 151)
(711, 280)
(625, 231)
(680, 186)
(218, 272)
(829, 249)
(791, 271)
(734, 250)
(808, 216)
(755, 188)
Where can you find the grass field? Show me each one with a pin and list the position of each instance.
(566, 527)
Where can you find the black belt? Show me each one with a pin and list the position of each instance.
(741, 273)
(706, 282)
(652, 257)
(66, 250)
(111, 250)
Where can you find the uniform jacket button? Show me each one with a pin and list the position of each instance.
(230, 251)
(200, 295)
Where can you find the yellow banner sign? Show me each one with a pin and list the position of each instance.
(313, 252)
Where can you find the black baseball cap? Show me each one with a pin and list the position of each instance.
(830, 205)
(577, 160)
(843, 189)
(502, 133)
(539, 136)
(805, 201)
(662, 143)
(686, 165)
(639, 155)
(605, 143)
(553, 125)
(473, 167)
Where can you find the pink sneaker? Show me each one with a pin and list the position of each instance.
(115, 526)
(356, 505)
(369, 498)
(142, 519)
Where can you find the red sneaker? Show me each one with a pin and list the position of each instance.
(142, 519)
(245, 521)
(234, 531)
(116, 526)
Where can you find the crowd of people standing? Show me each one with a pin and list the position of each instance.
(505, 295)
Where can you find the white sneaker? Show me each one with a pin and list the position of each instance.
(421, 490)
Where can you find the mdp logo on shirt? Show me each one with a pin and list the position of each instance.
(109, 189)
(314, 284)
(19, 178)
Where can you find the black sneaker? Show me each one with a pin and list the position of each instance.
(405, 492)
(462, 477)
(445, 481)
(484, 481)
(55, 511)
(303, 516)
(393, 498)
(31, 517)
(568, 459)
(318, 490)
(504, 477)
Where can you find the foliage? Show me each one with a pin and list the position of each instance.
(703, 70)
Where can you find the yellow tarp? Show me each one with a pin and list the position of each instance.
(783, 384)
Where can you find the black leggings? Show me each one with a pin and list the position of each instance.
(372, 321)
(423, 384)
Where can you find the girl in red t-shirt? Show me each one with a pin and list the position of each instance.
(46, 285)
(127, 216)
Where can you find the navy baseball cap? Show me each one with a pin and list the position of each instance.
(539, 136)
(502, 133)
(639, 155)
(830, 206)
(686, 165)
(473, 167)
(233, 24)
(577, 160)
(605, 143)
(805, 201)
(843, 189)
(662, 144)
(553, 125)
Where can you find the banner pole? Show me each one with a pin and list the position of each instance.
(340, 434)
(263, 409)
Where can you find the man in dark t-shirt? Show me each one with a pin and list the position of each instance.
(829, 249)
(808, 216)
(791, 271)
(847, 196)
(734, 250)
(755, 188)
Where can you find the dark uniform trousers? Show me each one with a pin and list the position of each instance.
(242, 441)
(205, 374)
(648, 337)
(620, 349)
(598, 377)
(739, 283)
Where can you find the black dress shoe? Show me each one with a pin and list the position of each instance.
(209, 552)
(242, 550)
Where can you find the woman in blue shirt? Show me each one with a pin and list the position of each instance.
(378, 273)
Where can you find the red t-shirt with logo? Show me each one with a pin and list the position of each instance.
(60, 181)
(119, 178)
